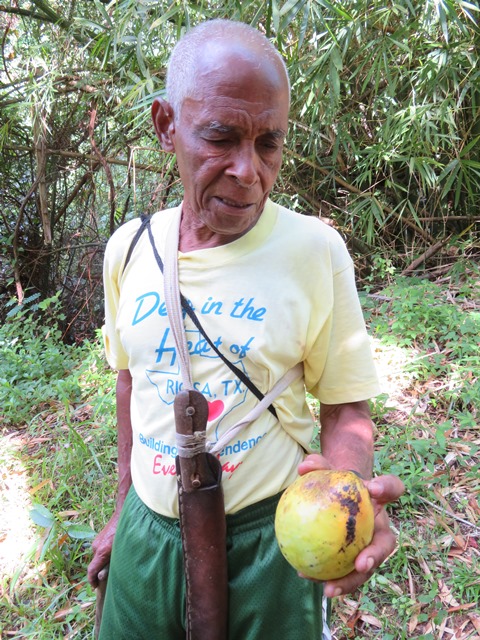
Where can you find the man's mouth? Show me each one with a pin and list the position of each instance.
(234, 203)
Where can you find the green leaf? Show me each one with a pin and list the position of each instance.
(164, 18)
(42, 516)
(289, 11)
(442, 16)
(291, 5)
(275, 16)
(334, 79)
(452, 168)
(80, 531)
(336, 58)
(471, 145)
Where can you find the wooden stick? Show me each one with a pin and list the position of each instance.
(425, 255)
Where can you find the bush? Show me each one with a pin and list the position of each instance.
(36, 367)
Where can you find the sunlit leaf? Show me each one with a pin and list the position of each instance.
(42, 516)
(80, 531)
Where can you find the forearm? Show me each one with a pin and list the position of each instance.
(346, 437)
(124, 427)
(102, 545)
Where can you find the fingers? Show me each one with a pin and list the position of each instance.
(367, 561)
(381, 546)
(313, 462)
(348, 584)
(102, 549)
(97, 569)
(385, 489)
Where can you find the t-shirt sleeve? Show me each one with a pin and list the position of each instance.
(343, 347)
(113, 264)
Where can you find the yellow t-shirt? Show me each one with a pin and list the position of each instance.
(281, 294)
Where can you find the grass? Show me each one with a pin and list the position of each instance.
(58, 456)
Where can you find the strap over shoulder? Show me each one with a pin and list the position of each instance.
(144, 221)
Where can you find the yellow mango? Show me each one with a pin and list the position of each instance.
(323, 520)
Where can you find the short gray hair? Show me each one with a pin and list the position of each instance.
(181, 71)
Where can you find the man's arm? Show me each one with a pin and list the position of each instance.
(346, 437)
(102, 545)
(346, 440)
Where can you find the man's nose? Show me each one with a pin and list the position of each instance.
(244, 165)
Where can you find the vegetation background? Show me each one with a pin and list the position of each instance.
(384, 144)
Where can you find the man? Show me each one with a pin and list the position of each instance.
(272, 288)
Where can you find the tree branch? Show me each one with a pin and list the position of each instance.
(363, 194)
(88, 157)
(40, 140)
(16, 234)
(27, 14)
(105, 165)
(51, 14)
(431, 251)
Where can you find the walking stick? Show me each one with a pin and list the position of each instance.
(101, 589)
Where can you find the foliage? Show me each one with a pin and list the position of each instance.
(393, 89)
(35, 365)
(427, 422)
(446, 322)
(384, 142)
(69, 455)
(384, 136)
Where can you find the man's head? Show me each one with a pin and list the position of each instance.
(226, 120)
(185, 58)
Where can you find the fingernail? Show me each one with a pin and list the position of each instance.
(370, 563)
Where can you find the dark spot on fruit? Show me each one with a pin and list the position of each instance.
(351, 523)
(353, 507)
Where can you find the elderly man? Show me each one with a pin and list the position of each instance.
(272, 289)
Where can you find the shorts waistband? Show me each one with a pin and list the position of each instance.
(251, 517)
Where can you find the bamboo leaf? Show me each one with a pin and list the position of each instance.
(165, 17)
(454, 168)
(304, 25)
(442, 16)
(336, 58)
(471, 145)
(334, 78)
(140, 59)
(275, 15)
(288, 12)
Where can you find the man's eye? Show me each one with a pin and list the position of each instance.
(270, 146)
(219, 142)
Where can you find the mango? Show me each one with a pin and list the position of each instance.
(322, 522)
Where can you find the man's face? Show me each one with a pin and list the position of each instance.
(228, 140)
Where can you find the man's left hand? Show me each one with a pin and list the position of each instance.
(382, 489)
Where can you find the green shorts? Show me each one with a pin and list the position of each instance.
(145, 597)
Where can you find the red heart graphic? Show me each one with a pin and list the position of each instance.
(215, 408)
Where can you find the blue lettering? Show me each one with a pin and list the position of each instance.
(162, 349)
(242, 308)
(241, 350)
(153, 305)
(205, 391)
(238, 387)
(226, 384)
(209, 307)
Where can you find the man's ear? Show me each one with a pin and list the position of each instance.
(163, 123)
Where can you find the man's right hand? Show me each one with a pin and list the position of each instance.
(102, 550)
